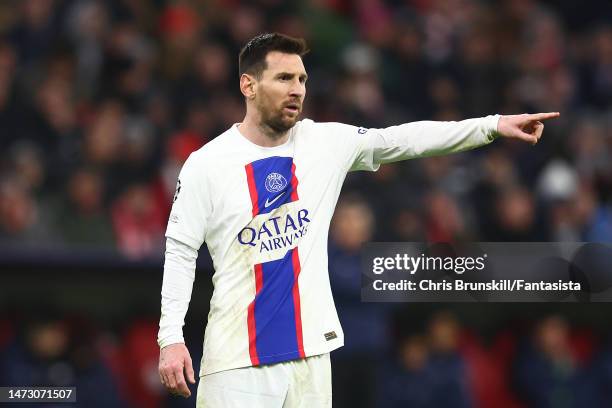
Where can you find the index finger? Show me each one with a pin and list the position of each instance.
(544, 116)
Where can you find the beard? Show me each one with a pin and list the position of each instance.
(276, 119)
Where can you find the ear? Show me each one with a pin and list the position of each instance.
(248, 86)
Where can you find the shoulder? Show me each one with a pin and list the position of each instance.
(203, 162)
(329, 129)
(333, 133)
(218, 144)
(211, 152)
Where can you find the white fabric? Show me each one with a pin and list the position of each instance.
(302, 383)
(179, 274)
(214, 205)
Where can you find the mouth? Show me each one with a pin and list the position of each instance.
(292, 108)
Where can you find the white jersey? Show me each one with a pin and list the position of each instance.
(264, 213)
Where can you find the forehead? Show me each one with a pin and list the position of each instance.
(277, 61)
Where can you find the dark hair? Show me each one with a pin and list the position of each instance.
(252, 57)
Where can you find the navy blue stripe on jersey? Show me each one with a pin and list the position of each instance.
(278, 335)
(272, 178)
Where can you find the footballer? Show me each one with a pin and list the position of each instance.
(261, 196)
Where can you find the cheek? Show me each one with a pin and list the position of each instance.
(261, 98)
(277, 91)
(265, 104)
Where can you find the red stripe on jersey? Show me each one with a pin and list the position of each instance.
(251, 317)
(296, 302)
(252, 188)
(294, 184)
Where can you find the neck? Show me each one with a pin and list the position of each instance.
(261, 134)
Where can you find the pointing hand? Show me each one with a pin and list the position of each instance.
(527, 127)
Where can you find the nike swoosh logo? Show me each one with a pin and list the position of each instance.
(269, 203)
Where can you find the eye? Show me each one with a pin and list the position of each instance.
(285, 77)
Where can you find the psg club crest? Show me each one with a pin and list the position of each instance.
(275, 182)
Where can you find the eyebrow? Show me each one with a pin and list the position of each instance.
(304, 75)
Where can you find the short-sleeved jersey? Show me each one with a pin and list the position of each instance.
(264, 213)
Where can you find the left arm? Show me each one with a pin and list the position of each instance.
(428, 138)
(366, 149)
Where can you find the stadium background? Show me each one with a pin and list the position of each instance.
(102, 101)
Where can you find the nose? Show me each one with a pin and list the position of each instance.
(298, 89)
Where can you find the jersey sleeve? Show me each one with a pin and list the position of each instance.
(179, 274)
(191, 207)
(367, 149)
(350, 145)
(428, 138)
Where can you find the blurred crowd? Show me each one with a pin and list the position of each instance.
(435, 360)
(102, 101)
(426, 357)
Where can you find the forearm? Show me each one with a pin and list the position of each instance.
(179, 274)
(428, 138)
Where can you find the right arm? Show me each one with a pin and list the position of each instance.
(185, 234)
(179, 274)
(174, 358)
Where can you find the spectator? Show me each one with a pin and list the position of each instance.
(52, 352)
(22, 220)
(408, 380)
(83, 219)
(363, 324)
(138, 222)
(450, 388)
(547, 374)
